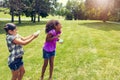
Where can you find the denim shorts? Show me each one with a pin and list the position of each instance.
(16, 64)
(47, 55)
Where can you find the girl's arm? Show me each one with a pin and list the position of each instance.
(35, 34)
(50, 37)
(25, 38)
(25, 41)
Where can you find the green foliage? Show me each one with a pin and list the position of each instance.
(29, 8)
(69, 15)
(77, 9)
(94, 9)
(100, 10)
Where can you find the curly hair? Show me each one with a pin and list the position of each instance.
(51, 25)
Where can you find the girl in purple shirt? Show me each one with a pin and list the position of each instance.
(53, 31)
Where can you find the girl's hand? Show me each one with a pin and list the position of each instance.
(60, 41)
(57, 36)
(36, 33)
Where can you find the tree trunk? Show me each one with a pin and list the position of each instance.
(12, 16)
(38, 18)
(31, 18)
(19, 18)
(34, 18)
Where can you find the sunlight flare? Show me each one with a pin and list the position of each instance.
(102, 2)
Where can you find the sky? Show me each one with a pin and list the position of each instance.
(63, 1)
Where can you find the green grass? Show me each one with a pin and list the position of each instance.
(90, 51)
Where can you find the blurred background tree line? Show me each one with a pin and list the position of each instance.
(93, 10)
(74, 9)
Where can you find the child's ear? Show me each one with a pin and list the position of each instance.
(9, 31)
(55, 27)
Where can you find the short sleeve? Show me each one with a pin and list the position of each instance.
(53, 32)
(11, 38)
(59, 32)
(18, 36)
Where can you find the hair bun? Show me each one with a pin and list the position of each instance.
(9, 26)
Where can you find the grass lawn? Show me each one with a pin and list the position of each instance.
(91, 51)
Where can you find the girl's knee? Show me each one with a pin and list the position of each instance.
(15, 77)
(51, 65)
(45, 65)
(23, 71)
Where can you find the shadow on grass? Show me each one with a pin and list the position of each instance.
(102, 26)
(24, 23)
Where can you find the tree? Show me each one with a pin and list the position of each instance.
(44, 8)
(70, 8)
(76, 8)
(12, 8)
(37, 7)
(19, 9)
(53, 6)
(99, 9)
(29, 10)
(16, 7)
(116, 11)
(60, 10)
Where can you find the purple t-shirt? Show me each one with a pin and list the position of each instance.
(51, 45)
